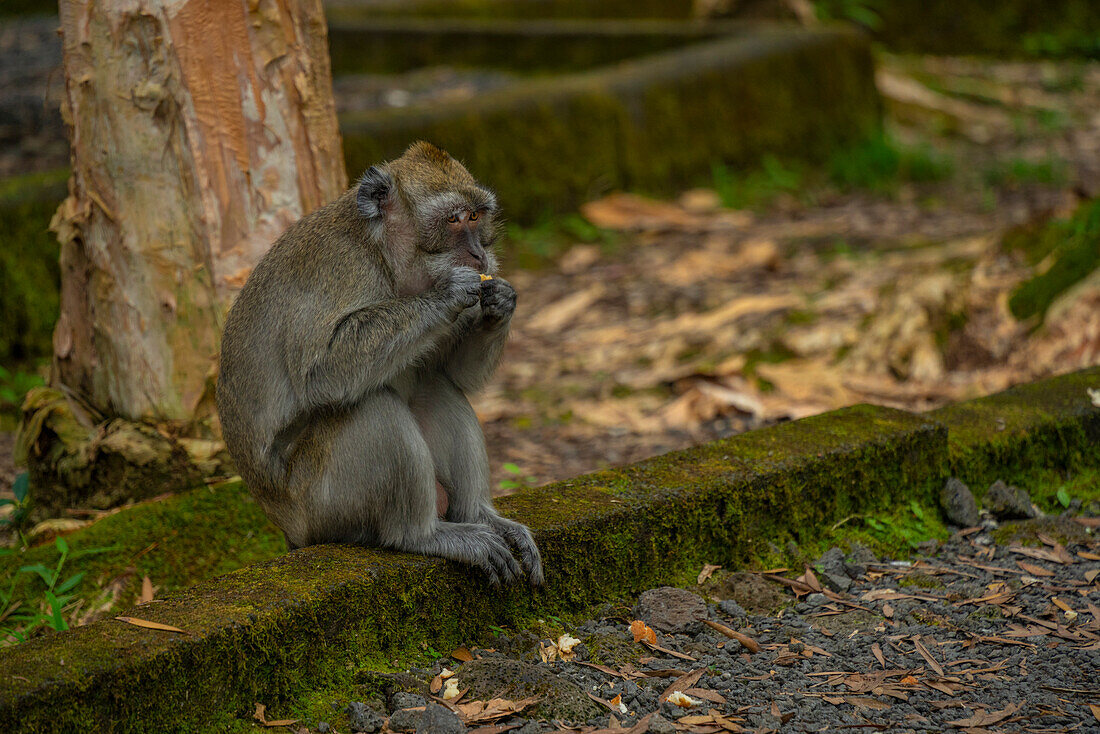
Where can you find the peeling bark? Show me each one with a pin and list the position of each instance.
(200, 130)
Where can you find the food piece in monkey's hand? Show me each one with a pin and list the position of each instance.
(485, 277)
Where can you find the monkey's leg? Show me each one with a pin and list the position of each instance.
(453, 435)
(378, 488)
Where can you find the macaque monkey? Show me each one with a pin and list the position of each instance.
(346, 361)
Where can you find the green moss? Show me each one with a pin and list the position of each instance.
(177, 542)
(612, 650)
(522, 9)
(1027, 532)
(1033, 436)
(388, 45)
(921, 581)
(29, 271)
(1056, 28)
(880, 163)
(1074, 246)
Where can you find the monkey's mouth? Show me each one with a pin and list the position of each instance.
(470, 260)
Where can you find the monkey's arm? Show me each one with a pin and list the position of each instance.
(365, 349)
(484, 331)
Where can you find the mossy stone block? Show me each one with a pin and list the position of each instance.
(655, 124)
(1013, 435)
(267, 631)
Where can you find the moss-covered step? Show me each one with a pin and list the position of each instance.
(316, 615)
(392, 45)
(655, 124)
(510, 9)
(1031, 435)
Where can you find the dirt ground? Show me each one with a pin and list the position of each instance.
(697, 321)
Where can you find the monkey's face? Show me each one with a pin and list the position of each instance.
(429, 193)
(468, 234)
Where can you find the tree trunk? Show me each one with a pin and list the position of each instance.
(200, 130)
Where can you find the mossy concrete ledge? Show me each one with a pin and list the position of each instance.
(265, 632)
(1025, 432)
(655, 124)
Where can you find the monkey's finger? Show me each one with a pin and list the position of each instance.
(506, 563)
(535, 575)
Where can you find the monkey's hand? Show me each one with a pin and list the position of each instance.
(498, 301)
(462, 290)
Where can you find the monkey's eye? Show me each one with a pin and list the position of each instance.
(474, 216)
(453, 218)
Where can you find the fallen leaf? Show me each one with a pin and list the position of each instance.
(924, 653)
(746, 642)
(462, 654)
(867, 703)
(985, 718)
(1033, 569)
(706, 694)
(705, 574)
(261, 716)
(150, 625)
(666, 651)
(682, 683)
(1095, 711)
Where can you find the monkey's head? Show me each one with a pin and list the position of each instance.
(428, 194)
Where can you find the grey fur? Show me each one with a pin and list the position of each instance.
(345, 364)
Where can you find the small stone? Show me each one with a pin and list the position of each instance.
(405, 719)
(1008, 503)
(861, 555)
(323, 727)
(731, 609)
(958, 504)
(836, 581)
(529, 727)
(670, 609)
(403, 700)
(817, 600)
(362, 718)
(832, 561)
(438, 719)
(660, 725)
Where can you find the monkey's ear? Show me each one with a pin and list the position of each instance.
(374, 193)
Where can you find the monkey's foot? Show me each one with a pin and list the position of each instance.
(519, 537)
(476, 545)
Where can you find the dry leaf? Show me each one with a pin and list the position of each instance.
(985, 718)
(746, 642)
(877, 652)
(150, 625)
(682, 683)
(1033, 569)
(643, 632)
(462, 654)
(260, 716)
(708, 570)
(706, 694)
